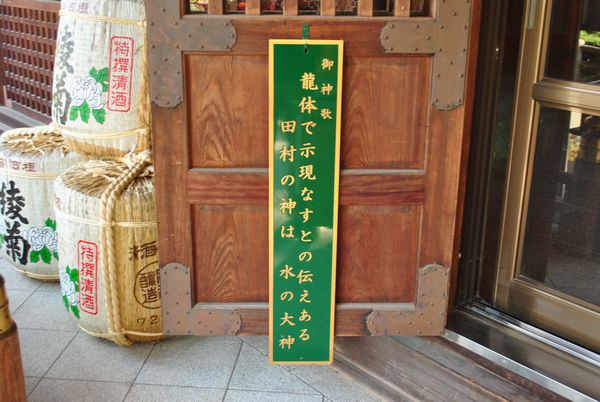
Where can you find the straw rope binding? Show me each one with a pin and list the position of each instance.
(120, 242)
(108, 201)
(35, 140)
(102, 18)
(96, 222)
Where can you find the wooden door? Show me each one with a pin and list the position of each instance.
(404, 113)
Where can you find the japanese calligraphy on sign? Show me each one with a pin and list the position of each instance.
(87, 255)
(305, 79)
(120, 73)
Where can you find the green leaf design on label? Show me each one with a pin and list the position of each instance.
(46, 255)
(99, 115)
(34, 256)
(43, 241)
(55, 254)
(94, 73)
(84, 112)
(69, 284)
(74, 113)
(89, 90)
(102, 78)
(50, 223)
(74, 275)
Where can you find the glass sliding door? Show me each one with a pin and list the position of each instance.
(549, 258)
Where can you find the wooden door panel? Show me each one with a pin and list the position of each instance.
(377, 257)
(384, 116)
(229, 254)
(399, 188)
(376, 264)
(228, 116)
(380, 129)
(251, 187)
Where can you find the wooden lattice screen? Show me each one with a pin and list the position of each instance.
(28, 31)
(327, 8)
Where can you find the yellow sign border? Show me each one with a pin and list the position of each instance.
(340, 44)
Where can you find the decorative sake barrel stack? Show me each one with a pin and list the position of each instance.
(109, 266)
(30, 160)
(100, 91)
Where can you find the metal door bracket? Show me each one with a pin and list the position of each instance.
(446, 38)
(179, 318)
(169, 36)
(427, 318)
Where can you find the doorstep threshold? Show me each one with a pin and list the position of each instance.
(553, 363)
(517, 368)
(432, 369)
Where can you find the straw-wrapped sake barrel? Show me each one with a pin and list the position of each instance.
(30, 160)
(100, 95)
(109, 269)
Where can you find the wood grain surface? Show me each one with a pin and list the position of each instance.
(228, 110)
(377, 254)
(231, 253)
(171, 167)
(349, 320)
(12, 382)
(384, 116)
(401, 161)
(232, 187)
(382, 130)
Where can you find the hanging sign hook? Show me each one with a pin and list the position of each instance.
(305, 35)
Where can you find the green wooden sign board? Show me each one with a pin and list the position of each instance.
(305, 88)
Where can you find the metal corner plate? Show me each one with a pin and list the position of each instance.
(446, 38)
(427, 317)
(179, 315)
(170, 35)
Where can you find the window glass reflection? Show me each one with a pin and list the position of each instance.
(383, 7)
(235, 6)
(346, 7)
(271, 6)
(562, 238)
(199, 6)
(309, 7)
(574, 41)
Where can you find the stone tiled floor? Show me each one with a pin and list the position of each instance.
(62, 363)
